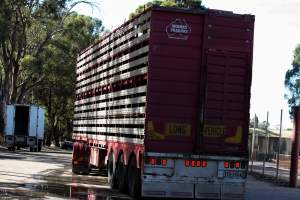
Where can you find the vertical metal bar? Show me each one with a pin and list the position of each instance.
(36, 129)
(279, 143)
(253, 141)
(295, 148)
(267, 145)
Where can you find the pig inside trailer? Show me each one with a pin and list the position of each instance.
(164, 101)
(24, 126)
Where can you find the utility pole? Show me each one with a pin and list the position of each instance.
(253, 141)
(267, 145)
(295, 148)
(279, 144)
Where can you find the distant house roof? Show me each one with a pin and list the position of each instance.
(273, 132)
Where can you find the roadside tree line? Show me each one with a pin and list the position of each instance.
(39, 44)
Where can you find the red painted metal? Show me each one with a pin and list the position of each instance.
(198, 86)
(295, 148)
(202, 80)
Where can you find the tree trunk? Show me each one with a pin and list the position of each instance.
(48, 138)
(13, 88)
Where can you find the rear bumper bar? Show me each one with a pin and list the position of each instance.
(203, 190)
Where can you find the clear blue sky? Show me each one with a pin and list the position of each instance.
(277, 32)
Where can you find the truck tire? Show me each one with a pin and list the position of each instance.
(39, 146)
(133, 178)
(121, 173)
(74, 170)
(111, 171)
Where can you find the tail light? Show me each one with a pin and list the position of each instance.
(195, 163)
(156, 161)
(164, 162)
(187, 163)
(226, 164)
(152, 161)
(235, 164)
(231, 164)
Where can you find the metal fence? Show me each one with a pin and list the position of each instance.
(270, 151)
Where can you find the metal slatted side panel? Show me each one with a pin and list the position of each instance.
(119, 44)
(119, 32)
(111, 87)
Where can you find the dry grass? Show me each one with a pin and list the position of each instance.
(285, 162)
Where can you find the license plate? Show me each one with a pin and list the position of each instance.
(235, 174)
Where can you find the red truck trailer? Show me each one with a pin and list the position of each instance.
(163, 102)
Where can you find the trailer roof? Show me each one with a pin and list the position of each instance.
(171, 9)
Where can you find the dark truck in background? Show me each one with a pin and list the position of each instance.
(163, 101)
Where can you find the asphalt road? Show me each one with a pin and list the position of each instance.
(47, 175)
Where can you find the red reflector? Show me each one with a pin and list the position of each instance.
(164, 162)
(198, 163)
(187, 163)
(204, 163)
(237, 164)
(152, 161)
(226, 164)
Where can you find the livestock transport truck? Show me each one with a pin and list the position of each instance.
(163, 102)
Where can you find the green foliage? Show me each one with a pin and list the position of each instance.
(292, 81)
(39, 43)
(56, 91)
(254, 121)
(196, 4)
(168, 3)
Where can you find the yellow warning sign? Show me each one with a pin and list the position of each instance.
(153, 134)
(237, 138)
(178, 129)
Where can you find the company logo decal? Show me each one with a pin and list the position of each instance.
(178, 29)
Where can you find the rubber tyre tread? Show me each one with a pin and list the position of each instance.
(111, 173)
(121, 174)
(133, 179)
(74, 171)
